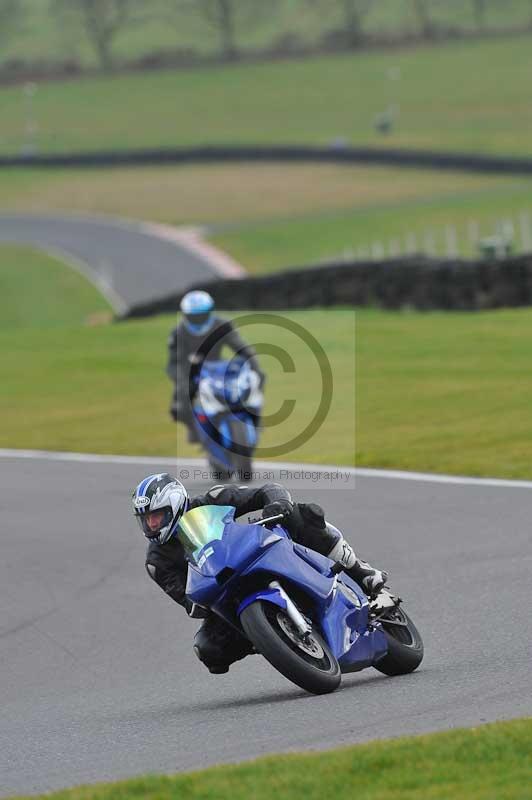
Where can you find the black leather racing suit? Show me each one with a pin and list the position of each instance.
(215, 643)
(182, 344)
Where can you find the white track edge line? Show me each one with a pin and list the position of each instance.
(362, 472)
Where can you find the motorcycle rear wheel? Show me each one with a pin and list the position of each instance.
(306, 662)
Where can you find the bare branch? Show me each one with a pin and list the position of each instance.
(101, 21)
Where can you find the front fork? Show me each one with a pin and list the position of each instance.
(292, 611)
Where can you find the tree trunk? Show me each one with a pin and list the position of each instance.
(479, 12)
(103, 19)
(354, 12)
(227, 29)
(425, 23)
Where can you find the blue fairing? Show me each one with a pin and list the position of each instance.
(213, 425)
(270, 595)
(240, 556)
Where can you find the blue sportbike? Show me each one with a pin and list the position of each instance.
(226, 408)
(311, 622)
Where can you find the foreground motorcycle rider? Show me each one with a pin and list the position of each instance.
(159, 502)
(199, 336)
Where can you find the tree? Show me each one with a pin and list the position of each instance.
(421, 10)
(354, 13)
(101, 21)
(227, 18)
(221, 14)
(479, 13)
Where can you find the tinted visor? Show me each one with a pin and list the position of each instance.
(152, 523)
(198, 320)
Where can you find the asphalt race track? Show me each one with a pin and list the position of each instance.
(98, 680)
(127, 262)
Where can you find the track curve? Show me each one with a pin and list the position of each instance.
(130, 262)
(98, 678)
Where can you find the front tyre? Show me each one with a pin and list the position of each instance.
(307, 662)
(405, 646)
(242, 460)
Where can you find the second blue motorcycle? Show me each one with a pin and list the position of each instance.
(226, 411)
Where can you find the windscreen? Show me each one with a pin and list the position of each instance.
(201, 526)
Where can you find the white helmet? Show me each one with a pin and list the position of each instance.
(159, 502)
(197, 308)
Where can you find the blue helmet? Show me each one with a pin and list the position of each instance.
(197, 308)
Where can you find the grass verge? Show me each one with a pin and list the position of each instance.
(491, 762)
(39, 291)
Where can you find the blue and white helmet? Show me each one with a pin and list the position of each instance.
(159, 502)
(197, 308)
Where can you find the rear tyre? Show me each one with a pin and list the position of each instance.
(306, 662)
(405, 646)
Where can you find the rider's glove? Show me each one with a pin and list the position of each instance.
(373, 584)
(284, 507)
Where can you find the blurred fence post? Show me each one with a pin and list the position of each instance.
(394, 248)
(524, 225)
(473, 235)
(451, 241)
(377, 251)
(411, 244)
(429, 243)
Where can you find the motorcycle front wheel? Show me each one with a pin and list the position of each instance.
(405, 646)
(306, 661)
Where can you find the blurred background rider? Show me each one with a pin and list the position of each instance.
(200, 336)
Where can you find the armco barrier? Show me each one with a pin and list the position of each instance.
(417, 282)
(468, 162)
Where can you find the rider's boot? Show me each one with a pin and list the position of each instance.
(370, 579)
(328, 540)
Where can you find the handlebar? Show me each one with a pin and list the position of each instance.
(275, 518)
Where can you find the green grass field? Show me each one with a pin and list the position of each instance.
(490, 762)
(441, 392)
(39, 292)
(469, 97)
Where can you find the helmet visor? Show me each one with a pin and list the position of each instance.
(154, 522)
(198, 321)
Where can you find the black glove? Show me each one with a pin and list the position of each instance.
(173, 413)
(284, 507)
